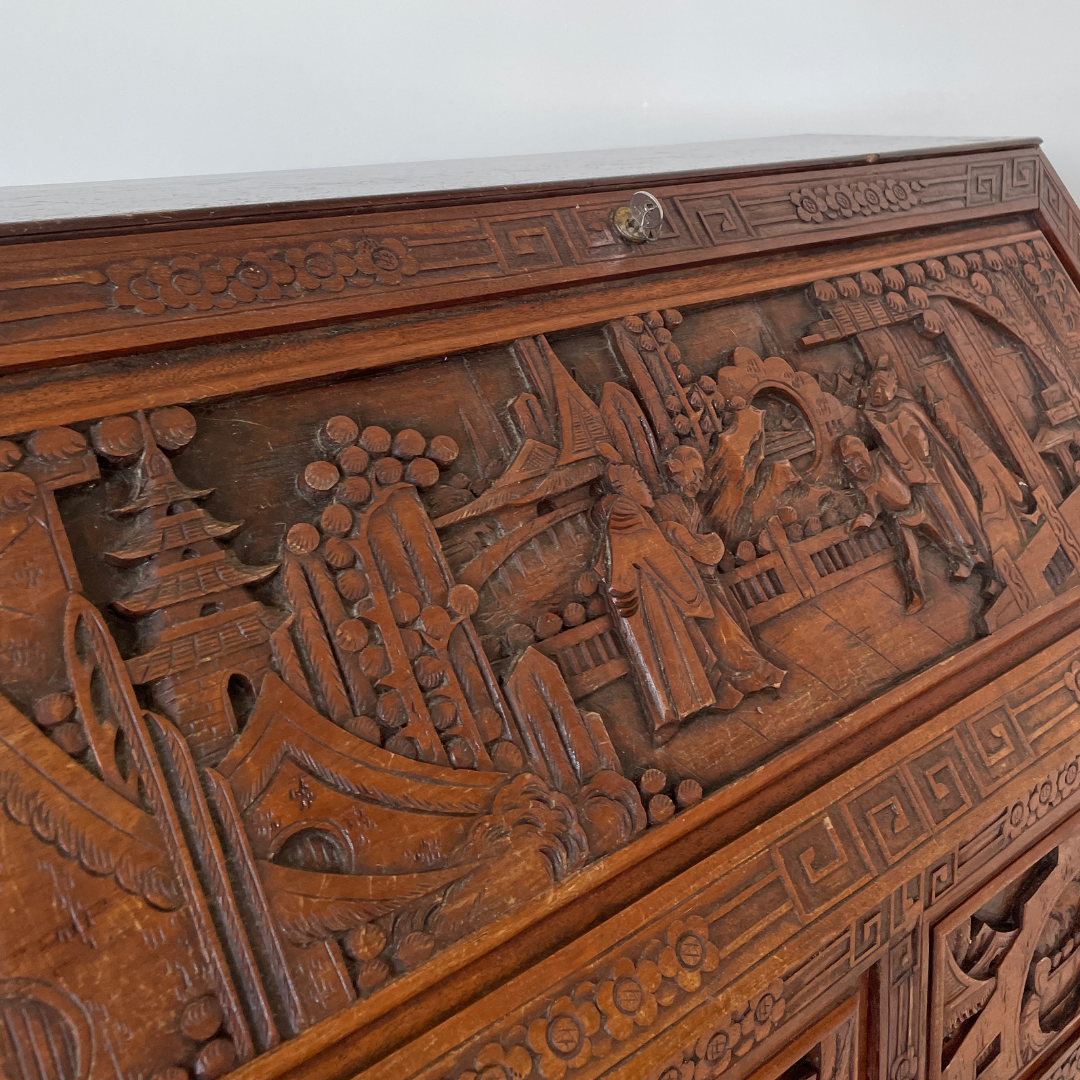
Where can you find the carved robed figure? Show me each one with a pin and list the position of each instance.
(678, 632)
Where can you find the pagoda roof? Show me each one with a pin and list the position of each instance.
(524, 483)
(162, 492)
(189, 579)
(199, 641)
(172, 531)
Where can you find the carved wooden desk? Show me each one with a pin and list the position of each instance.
(441, 639)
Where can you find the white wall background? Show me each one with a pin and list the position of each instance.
(110, 89)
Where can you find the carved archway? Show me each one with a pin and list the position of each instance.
(752, 378)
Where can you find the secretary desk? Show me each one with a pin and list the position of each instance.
(598, 615)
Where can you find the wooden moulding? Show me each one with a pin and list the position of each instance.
(105, 386)
(73, 298)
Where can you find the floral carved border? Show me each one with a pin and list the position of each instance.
(55, 291)
(222, 281)
(834, 201)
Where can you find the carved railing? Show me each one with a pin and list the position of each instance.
(802, 569)
(589, 656)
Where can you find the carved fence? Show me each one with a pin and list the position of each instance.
(590, 655)
(800, 570)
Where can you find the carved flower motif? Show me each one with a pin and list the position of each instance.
(761, 1016)
(629, 997)
(387, 260)
(809, 206)
(871, 197)
(322, 266)
(1046, 795)
(257, 275)
(1067, 778)
(494, 1063)
(842, 200)
(564, 1040)
(689, 953)
(1041, 800)
(713, 1051)
(899, 194)
(185, 281)
(677, 1069)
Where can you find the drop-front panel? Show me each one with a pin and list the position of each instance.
(440, 639)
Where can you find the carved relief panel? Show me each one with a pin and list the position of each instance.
(1004, 986)
(312, 687)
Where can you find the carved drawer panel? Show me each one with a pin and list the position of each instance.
(664, 674)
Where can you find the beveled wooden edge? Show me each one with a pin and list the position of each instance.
(119, 206)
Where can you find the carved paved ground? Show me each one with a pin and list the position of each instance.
(841, 649)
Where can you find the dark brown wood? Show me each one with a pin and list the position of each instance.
(439, 639)
(181, 202)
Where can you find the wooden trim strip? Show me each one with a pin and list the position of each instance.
(86, 391)
(125, 293)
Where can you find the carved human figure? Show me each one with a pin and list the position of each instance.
(888, 494)
(1001, 498)
(732, 468)
(664, 612)
(927, 464)
(728, 632)
(685, 469)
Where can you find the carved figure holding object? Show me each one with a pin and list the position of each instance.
(922, 456)
(888, 494)
(681, 641)
(744, 668)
